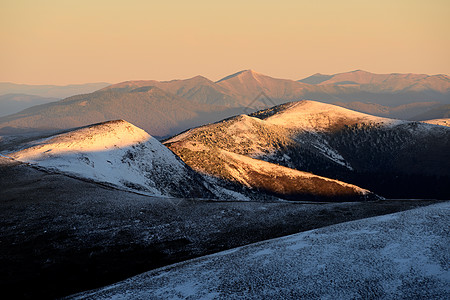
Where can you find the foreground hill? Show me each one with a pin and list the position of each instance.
(381, 154)
(79, 235)
(119, 154)
(397, 256)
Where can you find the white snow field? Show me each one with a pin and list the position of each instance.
(404, 255)
(117, 153)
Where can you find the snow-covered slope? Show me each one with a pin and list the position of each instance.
(317, 116)
(117, 153)
(442, 122)
(398, 256)
(235, 149)
(329, 141)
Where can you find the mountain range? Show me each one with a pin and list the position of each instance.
(165, 108)
(383, 155)
(50, 91)
(119, 154)
(305, 150)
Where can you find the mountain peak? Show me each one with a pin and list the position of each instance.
(94, 138)
(241, 74)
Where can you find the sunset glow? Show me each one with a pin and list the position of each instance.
(62, 42)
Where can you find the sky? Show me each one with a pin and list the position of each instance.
(66, 42)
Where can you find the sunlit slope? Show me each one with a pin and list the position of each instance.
(330, 141)
(117, 153)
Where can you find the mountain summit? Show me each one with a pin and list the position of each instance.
(119, 154)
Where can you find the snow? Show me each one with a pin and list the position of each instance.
(316, 116)
(114, 152)
(398, 256)
(441, 122)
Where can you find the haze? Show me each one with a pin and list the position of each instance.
(62, 42)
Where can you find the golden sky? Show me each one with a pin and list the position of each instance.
(65, 41)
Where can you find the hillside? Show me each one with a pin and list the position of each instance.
(119, 154)
(441, 122)
(372, 152)
(81, 235)
(165, 108)
(396, 256)
(50, 91)
(439, 112)
(13, 103)
(197, 89)
(394, 82)
(402, 112)
(156, 111)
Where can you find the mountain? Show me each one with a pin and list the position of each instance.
(439, 112)
(259, 90)
(165, 108)
(394, 82)
(383, 155)
(116, 153)
(197, 89)
(403, 112)
(13, 103)
(229, 150)
(50, 91)
(441, 122)
(156, 111)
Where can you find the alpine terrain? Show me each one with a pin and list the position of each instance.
(381, 154)
(119, 154)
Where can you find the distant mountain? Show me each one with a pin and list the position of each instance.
(403, 112)
(389, 157)
(439, 112)
(165, 108)
(50, 91)
(197, 89)
(13, 103)
(394, 82)
(156, 111)
(119, 154)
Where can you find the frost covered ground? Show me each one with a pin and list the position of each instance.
(61, 235)
(397, 256)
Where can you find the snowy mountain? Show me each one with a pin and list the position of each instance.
(116, 153)
(381, 154)
(396, 256)
(234, 150)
